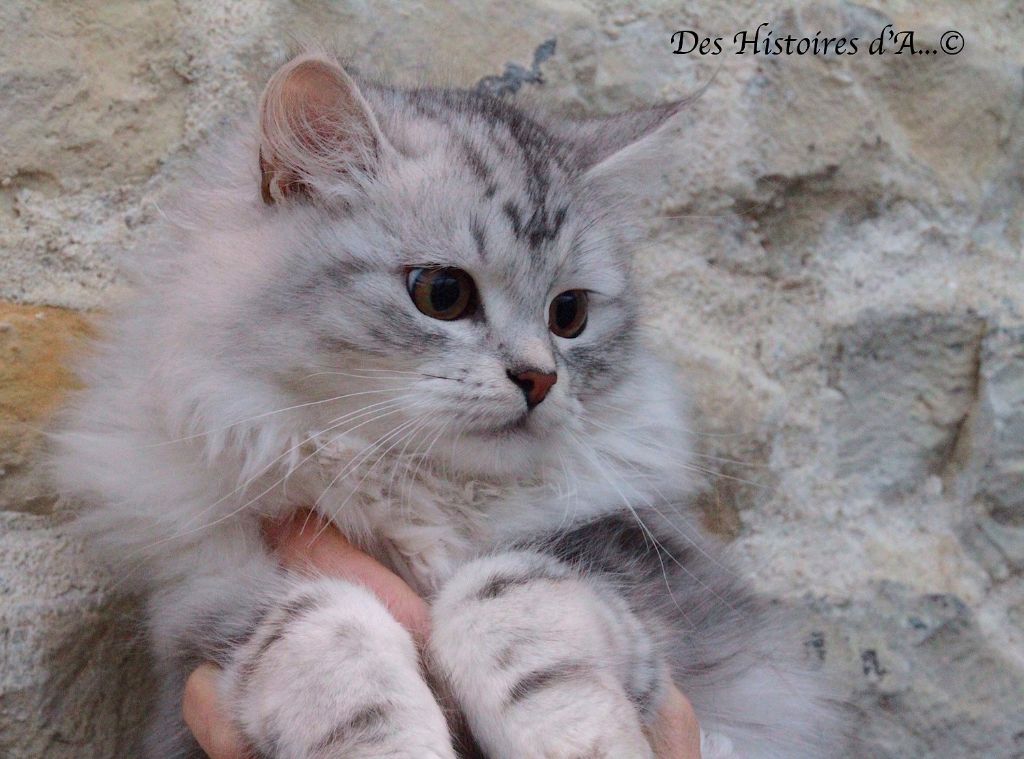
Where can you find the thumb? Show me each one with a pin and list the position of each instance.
(306, 543)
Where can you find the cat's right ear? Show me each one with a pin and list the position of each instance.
(317, 132)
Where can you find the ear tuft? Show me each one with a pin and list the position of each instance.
(315, 127)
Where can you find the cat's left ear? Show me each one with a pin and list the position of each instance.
(316, 128)
(624, 145)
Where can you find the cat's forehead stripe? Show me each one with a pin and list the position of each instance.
(475, 159)
(475, 123)
(514, 216)
(476, 229)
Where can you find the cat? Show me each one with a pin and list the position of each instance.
(412, 310)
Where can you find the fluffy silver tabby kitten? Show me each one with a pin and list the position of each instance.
(412, 309)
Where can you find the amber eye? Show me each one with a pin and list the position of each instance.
(442, 293)
(567, 316)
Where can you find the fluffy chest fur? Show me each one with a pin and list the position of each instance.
(425, 519)
(403, 509)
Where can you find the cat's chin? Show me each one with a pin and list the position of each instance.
(516, 427)
(515, 448)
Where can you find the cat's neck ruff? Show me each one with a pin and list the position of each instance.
(416, 514)
(424, 517)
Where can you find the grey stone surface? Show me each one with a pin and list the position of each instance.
(834, 260)
(73, 681)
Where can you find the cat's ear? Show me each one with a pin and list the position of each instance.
(618, 152)
(315, 128)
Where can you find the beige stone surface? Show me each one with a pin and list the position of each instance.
(834, 258)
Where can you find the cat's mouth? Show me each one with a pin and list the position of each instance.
(518, 425)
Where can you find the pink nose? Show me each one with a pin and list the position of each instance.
(535, 385)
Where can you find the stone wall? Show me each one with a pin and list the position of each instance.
(835, 257)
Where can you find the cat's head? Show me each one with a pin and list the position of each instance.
(454, 270)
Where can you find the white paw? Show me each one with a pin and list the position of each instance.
(329, 674)
(536, 660)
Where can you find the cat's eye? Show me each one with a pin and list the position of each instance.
(567, 315)
(442, 292)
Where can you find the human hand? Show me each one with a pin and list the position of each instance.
(306, 544)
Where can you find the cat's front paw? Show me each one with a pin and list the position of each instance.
(329, 674)
(541, 663)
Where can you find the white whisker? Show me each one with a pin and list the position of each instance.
(267, 414)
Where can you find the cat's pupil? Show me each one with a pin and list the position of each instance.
(566, 307)
(444, 292)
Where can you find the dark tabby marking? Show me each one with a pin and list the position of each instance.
(479, 237)
(368, 725)
(540, 679)
(476, 161)
(288, 614)
(500, 584)
(540, 230)
(514, 216)
(497, 586)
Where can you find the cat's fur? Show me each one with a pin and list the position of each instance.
(272, 359)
